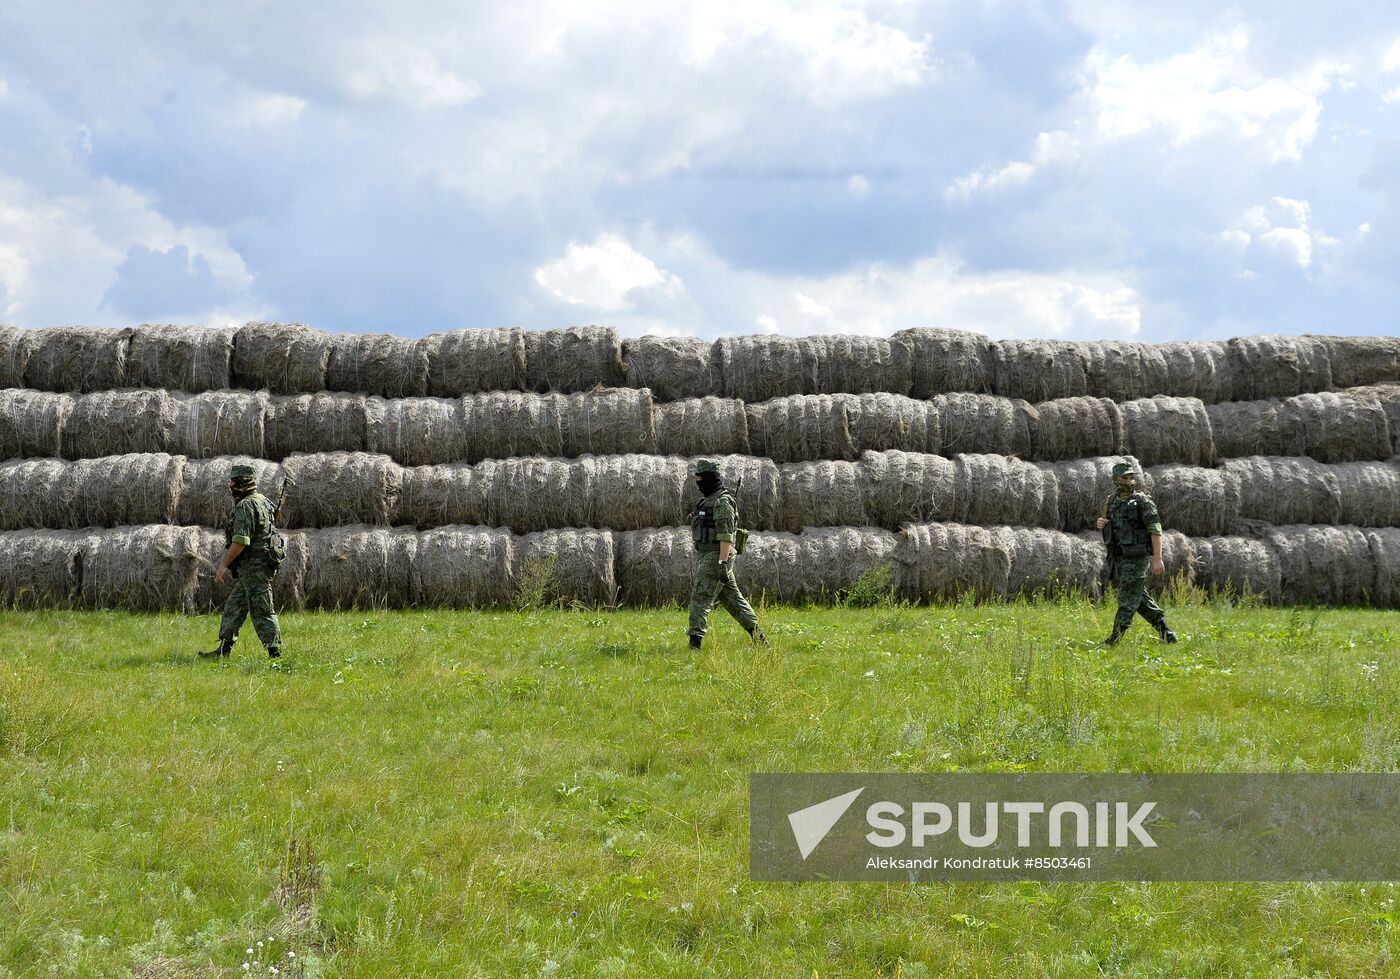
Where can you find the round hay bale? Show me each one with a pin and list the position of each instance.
(1327, 565)
(1384, 543)
(813, 566)
(29, 493)
(579, 358)
(533, 493)
(1074, 428)
(1197, 369)
(154, 568)
(1124, 371)
(41, 569)
(16, 347)
(1369, 493)
(1285, 490)
(1179, 559)
(607, 422)
(822, 494)
(502, 424)
(181, 358)
(377, 363)
(801, 428)
(1278, 366)
(878, 422)
(329, 489)
(755, 483)
(470, 361)
(1049, 563)
(115, 422)
(759, 368)
(418, 431)
(984, 423)
(579, 565)
(317, 423)
(1388, 397)
(942, 562)
(1237, 566)
(673, 368)
(122, 490)
(439, 496)
(1002, 491)
(77, 359)
(285, 358)
(1327, 427)
(629, 492)
(204, 499)
(946, 361)
(288, 586)
(360, 567)
(1362, 360)
(1196, 501)
(219, 423)
(859, 365)
(702, 426)
(32, 422)
(653, 566)
(1038, 370)
(1162, 429)
(906, 487)
(1083, 487)
(464, 567)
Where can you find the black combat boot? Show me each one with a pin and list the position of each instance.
(1114, 636)
(274, 651)
(756, 634)
(1164, 632)
(695, 642)
(225, 647)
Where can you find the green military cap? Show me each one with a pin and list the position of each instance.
(242, 475)
(1124, 469)
(706, 466)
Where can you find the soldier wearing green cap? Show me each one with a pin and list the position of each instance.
(254, 552)
(1132, 529)
(714, 523)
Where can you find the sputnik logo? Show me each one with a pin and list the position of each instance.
(810, 825)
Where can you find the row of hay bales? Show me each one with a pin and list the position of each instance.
(1353, 425)
(631, 492)
(161, 567)
(295, 359)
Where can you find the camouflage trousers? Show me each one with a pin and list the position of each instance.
(1133, 597)
(251, 596)
(711, 584)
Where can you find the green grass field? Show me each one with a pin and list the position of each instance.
(564, 792)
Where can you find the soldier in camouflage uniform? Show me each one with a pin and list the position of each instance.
(1132, 529)
(249, 535)
(713, 523)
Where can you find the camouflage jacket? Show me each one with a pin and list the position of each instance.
(251, 524)
(1132, 520)
(713, 519)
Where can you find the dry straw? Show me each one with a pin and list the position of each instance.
(114, 422)
(218, 423)
(417, 431)
(77, 359)
(984, 423)
(879, 422)
(438, 496)
(1038, 370)
(653, 566)
(673, 368)
(994, 489)
(1286, 490)
(1357, 361)
(360, 567)
(1384, 543)
(123, 490)
(1075, 428)
(1388, 397)
(317, 423)
(285, 358)
(800, 428)
(579, 358)
(823, 494)
(813, 566)
(377, 363)
(1084, 486)
(464, 567)
(761, 368)
(471, 361)
(332, 488)
(1197, 501)
(1162, 429)
(579, 564)
(181, 358)
(32, 422)
(1328, 565)
(1125, 371)
(1047, 563)
(623, 492)
(1197, 369)
(532, 494)
(29, 493)
(1327, 427)
(288, 587)
(1237, 566)
(859, 365)
(906, 487)
(944, 361)
(944, 561)
(1278, 366)
(16, 347)
(500, 425)
(41, 569)
(146, 569)
(204, 498)
(1369, 493)
(702, 426)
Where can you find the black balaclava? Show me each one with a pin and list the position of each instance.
(709, 482)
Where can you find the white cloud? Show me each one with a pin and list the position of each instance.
(4, 89)
(604, 275)
(1390, 61)
(858, 186)
(1280, 230)
(1210, 89)
(273, 110)
(1391, 97)
(408, 75)
(1052, 149)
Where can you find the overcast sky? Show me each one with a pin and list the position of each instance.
(1080, 169)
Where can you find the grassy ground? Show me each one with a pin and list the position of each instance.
(564, 792)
